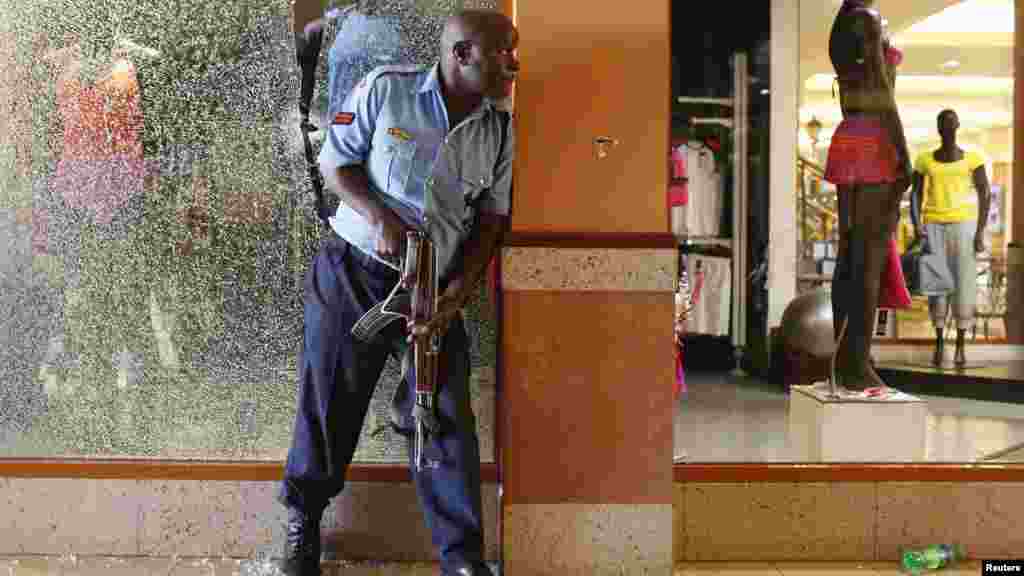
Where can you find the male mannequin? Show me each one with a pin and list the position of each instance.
(948, 226)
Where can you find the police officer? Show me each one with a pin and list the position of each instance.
(428, 149)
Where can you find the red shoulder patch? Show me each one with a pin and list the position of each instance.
(344, 118)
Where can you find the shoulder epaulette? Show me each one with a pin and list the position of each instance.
(398, 69)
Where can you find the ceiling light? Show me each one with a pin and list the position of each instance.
(978, 16)
(950, 65)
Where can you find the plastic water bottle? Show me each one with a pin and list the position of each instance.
(930, 558)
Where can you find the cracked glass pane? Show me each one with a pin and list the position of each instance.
(156, 222)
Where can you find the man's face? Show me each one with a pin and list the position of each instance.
(493, 63)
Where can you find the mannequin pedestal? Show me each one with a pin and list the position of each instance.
(854, 428)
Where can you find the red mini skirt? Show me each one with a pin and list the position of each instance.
(861, 153)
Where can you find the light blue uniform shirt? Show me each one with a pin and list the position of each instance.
(436, 179)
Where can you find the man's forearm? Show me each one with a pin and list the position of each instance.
(478, 251)
(352, 187)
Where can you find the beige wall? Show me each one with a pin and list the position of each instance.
(785, 70)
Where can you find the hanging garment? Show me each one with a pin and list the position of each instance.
(711, 295)
(679, 331)
(704, 193)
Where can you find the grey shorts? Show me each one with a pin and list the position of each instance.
(954, 243)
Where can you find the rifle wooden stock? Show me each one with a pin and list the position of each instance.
(414, 299)
(420, 278)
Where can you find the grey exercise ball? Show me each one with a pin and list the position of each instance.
(807, 324)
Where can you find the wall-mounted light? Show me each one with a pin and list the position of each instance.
(950, 65)
(813, 128)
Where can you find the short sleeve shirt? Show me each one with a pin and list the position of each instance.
(949, 187)
(436, 178)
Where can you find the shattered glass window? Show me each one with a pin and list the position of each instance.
(157, 219)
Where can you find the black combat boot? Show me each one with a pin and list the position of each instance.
(960, 356)
(301, 544)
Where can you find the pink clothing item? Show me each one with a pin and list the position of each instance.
(698, 285)
(893, 56)
(893, 294)
(861, 153)
(678, 192)
(678, 162)
(678, 195)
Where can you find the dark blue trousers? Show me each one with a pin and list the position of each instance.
(337, 377)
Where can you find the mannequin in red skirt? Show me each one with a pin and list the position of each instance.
(869, 163)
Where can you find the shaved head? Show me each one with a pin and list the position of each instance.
(472, 26)
(478, 53)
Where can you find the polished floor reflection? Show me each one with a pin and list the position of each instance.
(144, 566)
(727, 418)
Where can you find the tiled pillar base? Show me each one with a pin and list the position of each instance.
(586, 418)
(588, 539)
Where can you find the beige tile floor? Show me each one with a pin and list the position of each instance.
(121, 566)
(149, 566)
(811, 568)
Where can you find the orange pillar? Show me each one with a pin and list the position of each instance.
(1017, 223)
(1015, 253)
(586, 368)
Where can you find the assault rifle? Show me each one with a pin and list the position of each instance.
(414, 299)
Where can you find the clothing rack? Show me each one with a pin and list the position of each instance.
(721, 121)
(739, 125)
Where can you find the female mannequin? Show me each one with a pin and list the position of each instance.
(868, 162)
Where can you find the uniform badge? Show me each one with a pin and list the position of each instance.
(344, 118)
(400, 134)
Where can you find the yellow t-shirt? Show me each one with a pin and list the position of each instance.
(949, 187)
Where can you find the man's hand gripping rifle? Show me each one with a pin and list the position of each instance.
(414, 299)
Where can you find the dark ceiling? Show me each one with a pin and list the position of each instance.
(704, 37)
